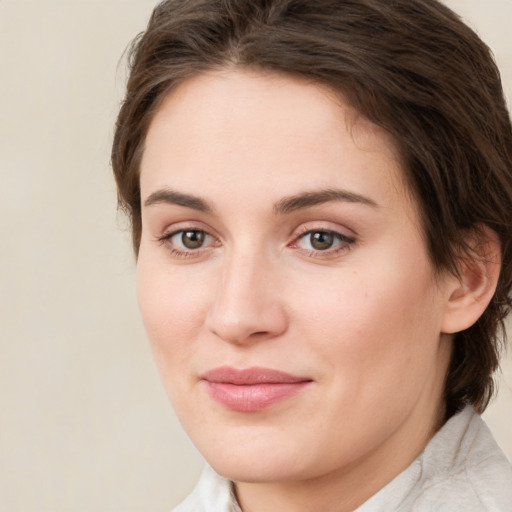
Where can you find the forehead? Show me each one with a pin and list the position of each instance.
(254, 126)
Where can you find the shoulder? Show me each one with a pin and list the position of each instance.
(463, 468)
(484, 486)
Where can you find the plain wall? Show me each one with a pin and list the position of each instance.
(84, 421)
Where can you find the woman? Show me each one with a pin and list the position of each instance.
(321, 198)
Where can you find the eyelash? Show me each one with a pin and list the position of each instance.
(344, 243)
(190, 253)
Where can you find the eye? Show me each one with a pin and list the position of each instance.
(190, 239)
(187, 240)
(320, 240)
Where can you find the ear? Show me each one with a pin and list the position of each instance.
(469, 293)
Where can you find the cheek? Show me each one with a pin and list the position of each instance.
(173, 309)
(372, 324)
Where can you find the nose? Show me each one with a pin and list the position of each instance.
(247, 305)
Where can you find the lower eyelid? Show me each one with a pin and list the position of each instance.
(181, 252)
(343, 244)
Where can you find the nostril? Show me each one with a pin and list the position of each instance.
(259, 333)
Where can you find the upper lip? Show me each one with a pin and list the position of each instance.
(251, 376)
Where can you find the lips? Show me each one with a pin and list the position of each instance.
(252, 389)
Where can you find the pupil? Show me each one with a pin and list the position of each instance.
(322, 240)
(192, 239)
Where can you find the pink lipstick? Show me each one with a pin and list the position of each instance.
(252, 389)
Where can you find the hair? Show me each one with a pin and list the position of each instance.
(411, 67)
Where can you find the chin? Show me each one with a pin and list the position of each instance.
(255, 469)
(258, 456)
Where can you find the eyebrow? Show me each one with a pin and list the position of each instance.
(286, 205)
(309, 199)
(168, 196)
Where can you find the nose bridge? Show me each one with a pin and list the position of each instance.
(247, 304)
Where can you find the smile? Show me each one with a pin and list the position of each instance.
(253, 389)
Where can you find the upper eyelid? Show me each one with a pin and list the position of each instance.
(303, 229)
(169, 234)
(341, 236)
(308, 227)
(191, 225)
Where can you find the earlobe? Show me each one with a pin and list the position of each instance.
(470, 292)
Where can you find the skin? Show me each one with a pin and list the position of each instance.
(364, 320)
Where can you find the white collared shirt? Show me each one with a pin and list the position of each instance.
(461, 469)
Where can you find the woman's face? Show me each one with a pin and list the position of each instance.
(284, 283)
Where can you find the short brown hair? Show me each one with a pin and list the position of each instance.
(410, 66)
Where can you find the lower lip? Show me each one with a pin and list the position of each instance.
(252, 397)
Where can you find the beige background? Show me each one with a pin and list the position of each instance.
(84, 422)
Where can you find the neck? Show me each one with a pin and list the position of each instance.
(343, 490)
